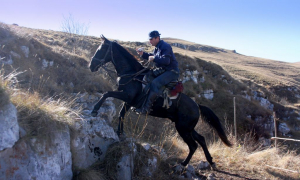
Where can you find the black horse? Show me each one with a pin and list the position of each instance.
(183, 111)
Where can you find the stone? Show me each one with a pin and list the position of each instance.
(203, 165)
(146, 146)
(9, 61)
(14, 54)
(125, 168)
(212, 176)
(25, 50)
(90, 142)
(283, 128)
(9, 127)
(190, 171)
(36, 158)
(149, 167)
(208, 94)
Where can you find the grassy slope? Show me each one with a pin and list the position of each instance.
(267, 72)
(235, 67)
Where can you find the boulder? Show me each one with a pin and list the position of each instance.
(37, 158)
(9, 127)
(25, 50)
(283, 128)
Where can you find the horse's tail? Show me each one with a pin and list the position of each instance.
(211, 118)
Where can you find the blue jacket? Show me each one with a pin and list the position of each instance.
(163, 56)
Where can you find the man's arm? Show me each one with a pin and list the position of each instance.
(146, 55)
(164, 58)
(143, 54)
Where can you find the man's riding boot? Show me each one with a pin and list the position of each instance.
(148, 104)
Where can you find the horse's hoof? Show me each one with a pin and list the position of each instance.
(94, 113)
(213, 167)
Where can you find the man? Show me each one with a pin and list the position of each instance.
(164, 58)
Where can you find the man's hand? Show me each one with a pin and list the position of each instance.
(140, 51)
(151, 58)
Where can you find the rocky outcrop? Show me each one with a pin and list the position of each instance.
(190, 75)
(62, 151)
(198, 47)
(34, 158)
(25, 50)
(9, 127)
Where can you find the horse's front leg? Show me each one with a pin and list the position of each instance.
(122, 113)
(115, 94)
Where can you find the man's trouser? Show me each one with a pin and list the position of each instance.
(156, 88)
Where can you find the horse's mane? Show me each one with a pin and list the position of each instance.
(130, 57)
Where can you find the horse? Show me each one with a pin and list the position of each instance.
(184, 112)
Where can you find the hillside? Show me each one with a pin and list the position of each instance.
(55, 64)
(262, 71)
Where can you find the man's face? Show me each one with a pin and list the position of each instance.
(154, 41)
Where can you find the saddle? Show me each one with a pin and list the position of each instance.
(170, 91)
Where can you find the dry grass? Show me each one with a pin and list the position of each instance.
(4, 83)
(267, 163)
(39, 117)
(69, 72)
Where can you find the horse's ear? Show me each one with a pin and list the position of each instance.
(103, 38)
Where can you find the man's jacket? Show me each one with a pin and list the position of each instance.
(163, 56)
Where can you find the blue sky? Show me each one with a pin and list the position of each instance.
(261, 28)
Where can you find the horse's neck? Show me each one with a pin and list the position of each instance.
(127, 66)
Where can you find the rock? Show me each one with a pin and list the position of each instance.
(36, 158)
(179, 168)
(202, 79)
(161, 151)
(15, 54)
(46, 63)
(150, 167)
(203, 165)
(283, 128)
(9, 127)
(208, 94)
(146, 146)
(212, 176)
(179, 45)
(25, 50)
(91, 141)
(264, 102)
(6, 62)
(265, 142)
(190, 171)
(125, 168)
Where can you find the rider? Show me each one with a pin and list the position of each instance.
(164, 58)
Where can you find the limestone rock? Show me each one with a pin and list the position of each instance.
(9, 127)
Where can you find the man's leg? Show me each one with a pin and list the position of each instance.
(156, 90)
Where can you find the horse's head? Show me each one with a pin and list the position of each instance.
(102, 55)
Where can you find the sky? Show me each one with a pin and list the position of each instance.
(262, 28)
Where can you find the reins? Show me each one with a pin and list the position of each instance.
(124, 75)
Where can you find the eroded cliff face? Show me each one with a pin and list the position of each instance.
(26, 156)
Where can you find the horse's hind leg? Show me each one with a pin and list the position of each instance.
(200, 139)
(189, 140)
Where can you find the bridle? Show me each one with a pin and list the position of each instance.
(133, 76)
(107, 51)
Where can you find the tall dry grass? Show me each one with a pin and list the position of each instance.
(38, 116)
(4, 95)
